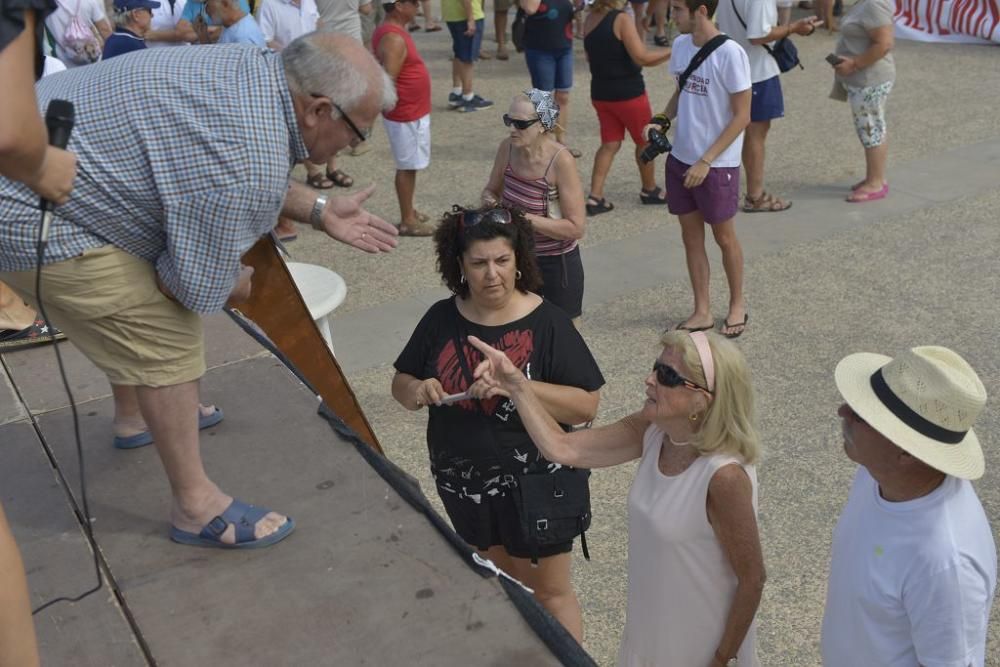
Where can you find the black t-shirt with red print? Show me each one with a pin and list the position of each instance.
(551, 27)
(473, 444)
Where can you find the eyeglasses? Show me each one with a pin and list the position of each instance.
(362, 136)
(518, 123)
(669, 377)
(499, 216)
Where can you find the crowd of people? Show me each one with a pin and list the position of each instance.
(510, 385)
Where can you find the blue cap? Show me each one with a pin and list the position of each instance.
(128, 5)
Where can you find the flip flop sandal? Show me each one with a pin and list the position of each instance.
(413, 27)
(317, 180)
(602, 206)
(35, 333)
(652, 197)
(727, 325)
(419, 229)
(503, 55)
(681, 327)
(146, 438)
(422, 217)
(661, 40)
(340, 178)
(862, 197)
(244, 517)
(766, 203)
(433, 28)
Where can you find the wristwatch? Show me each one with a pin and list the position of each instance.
(316, 215)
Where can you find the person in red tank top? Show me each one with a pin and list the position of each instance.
(408, 124)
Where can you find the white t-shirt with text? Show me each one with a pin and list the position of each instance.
(761, 16)
(281, 21)
(703, 107)
(910, 582)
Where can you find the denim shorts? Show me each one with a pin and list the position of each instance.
(767, 102)
(465, 48)
(550, 70)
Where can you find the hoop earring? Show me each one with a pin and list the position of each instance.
(518, 274)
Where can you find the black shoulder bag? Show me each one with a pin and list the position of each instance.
(554, 507)
(517, 30)
(703, 53)
(784, 51)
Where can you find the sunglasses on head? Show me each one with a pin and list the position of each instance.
(669, 377)
(500, 216)
(518, 123)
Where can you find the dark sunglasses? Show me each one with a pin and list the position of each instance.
(500, 216)
(518, 123)
(855, 416)
(362, 136)
(669, 377)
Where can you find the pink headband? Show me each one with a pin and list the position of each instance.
(705, 355)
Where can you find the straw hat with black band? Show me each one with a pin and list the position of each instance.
(924, 401)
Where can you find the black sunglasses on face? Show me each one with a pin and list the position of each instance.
(500, 216)
(518, 123)
(669, 377)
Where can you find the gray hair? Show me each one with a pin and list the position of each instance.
(122, 17)
(335, 66)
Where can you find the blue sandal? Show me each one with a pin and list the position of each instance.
(146, 438)
(245, 518)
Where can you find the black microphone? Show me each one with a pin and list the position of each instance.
(59, 118)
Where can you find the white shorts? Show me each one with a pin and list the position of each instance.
(410, 142)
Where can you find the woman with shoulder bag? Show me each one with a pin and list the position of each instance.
(864, 76)
(483, 462)
(536, 174)
(616, 55)
(695, 566)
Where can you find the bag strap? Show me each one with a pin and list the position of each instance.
(703, 53)
(744, 24)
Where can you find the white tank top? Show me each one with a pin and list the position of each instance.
(680, 583)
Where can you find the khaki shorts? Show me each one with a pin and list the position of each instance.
(108, 304)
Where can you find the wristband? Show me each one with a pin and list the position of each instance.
(701, 159)
(316, 215)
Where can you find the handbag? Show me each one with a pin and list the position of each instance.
(517, 31)
(784, 51)
(554, 506)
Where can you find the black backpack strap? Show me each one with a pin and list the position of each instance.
(703, 53)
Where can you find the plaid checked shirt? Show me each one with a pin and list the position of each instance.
(183, 160)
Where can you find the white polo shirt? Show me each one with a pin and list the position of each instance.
(281, 21)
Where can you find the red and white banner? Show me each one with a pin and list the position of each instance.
(965, 21)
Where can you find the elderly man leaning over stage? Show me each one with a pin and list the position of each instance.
(913, 567)
(154, 232)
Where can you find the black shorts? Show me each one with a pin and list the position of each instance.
(562, 278)
(494, 522)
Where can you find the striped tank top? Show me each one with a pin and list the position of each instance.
(537, 196)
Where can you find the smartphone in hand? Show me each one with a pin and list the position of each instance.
(834, 59)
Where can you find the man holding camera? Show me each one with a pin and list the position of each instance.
(712, 108)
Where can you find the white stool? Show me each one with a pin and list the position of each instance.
(323, 291)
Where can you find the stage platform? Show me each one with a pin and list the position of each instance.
(367, 578)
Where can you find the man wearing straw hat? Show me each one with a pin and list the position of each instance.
(913, 566)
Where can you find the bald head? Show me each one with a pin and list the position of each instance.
(339, 67)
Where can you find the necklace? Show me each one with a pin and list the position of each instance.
(677, 444)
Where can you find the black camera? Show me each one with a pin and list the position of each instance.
(658, 142)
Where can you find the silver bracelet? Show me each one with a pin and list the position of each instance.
(316, 215)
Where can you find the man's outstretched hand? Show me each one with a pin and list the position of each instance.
(345, 220)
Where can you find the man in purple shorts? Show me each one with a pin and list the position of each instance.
(703, 170)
